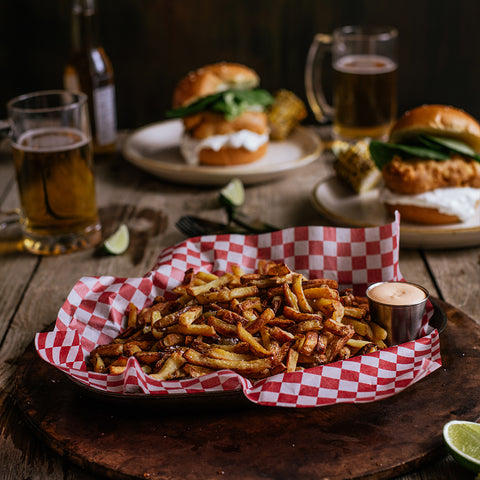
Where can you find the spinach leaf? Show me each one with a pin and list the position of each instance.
(382, 152)
(452, 145)
(231, 103)
(195, 107)
(427, 141)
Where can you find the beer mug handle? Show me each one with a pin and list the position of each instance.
(10, 217)
(322, 110)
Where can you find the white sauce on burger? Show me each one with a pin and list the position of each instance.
(247, 139)
(459, 201)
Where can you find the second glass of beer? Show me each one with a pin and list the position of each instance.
(52, 152)
(365, 65)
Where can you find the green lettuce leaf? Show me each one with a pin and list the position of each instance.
(423, 146)
(452, 145)
(382, 152)
(231, 103)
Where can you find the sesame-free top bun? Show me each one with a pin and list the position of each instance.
(440, 120)
(212, 79)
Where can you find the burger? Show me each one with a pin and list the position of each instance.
(430, 166)
(224, 115)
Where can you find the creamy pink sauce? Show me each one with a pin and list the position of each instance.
(397, 293)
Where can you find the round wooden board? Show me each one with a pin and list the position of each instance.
(228, 437)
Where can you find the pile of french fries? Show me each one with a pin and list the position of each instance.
(257, 325)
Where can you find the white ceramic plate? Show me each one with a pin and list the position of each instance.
(155, 148)
(336, 202)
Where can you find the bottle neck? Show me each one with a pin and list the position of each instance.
(84, 25)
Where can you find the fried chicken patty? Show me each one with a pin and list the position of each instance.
(418, 176)
(205, 124)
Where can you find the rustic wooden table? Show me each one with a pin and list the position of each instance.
(32, 288)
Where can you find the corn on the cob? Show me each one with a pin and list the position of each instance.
(355, 166)
(285, 113)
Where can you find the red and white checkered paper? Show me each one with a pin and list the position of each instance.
(93, 314)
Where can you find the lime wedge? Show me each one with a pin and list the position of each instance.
(118, 242)
(463, 441)
(233, 194)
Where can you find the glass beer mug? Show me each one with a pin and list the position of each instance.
(364, 63)
(52, 152)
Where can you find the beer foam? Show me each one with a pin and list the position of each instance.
(365, 64)
(51, 139)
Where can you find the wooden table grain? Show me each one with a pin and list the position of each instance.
(33, 288)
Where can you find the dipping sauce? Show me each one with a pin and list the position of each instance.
(399, 307)
(396, 293)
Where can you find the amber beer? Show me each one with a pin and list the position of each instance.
(365, 96)
(56, 182)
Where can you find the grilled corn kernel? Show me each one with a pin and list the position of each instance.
(355, 166)
(286, 112)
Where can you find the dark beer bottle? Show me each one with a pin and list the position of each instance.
(89, 70)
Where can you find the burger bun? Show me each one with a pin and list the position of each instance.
(213, 79)
(229, 156)
(422, 215)
(437, 120)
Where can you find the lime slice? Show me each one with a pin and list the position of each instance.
(118, 242)
(233, 194)
(463, 441)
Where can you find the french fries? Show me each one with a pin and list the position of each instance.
(256, 324)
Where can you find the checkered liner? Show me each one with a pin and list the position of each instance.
(94, 312)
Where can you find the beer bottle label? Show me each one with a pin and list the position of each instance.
(105, 114)
(70, 80)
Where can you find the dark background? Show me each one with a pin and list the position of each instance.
(152, 43)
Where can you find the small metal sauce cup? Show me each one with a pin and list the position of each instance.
(403, 323)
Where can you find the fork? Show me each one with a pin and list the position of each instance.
(195, 226)
(253, 225)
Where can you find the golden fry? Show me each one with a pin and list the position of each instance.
(355, 312)
(132, 315)
(222, 328)
(256, 324)
(203, 330)
(290, 298)
(297, 289)
(171, 367)
(266, 316)
(240, 366)
(293, 314)
(227, 355)
(190, 314)
(311, 339)
(212, 285)
(98, 365)
(195, 371)
(110, 350)
(255, 345)
(379, 333)
(307, 326)
(361, 327)
(292, 359)
(323, 291)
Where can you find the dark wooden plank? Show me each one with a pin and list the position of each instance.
(160, 440)
(457, 273)
(32, 289)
